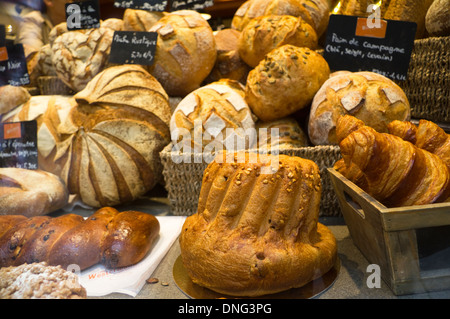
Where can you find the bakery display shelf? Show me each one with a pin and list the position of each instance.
(411, 245)
(310, 290)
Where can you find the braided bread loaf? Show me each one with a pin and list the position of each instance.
(112, 238)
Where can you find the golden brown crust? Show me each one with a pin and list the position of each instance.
(256, 233)
(115, 239)
(185, 52)
(263, 34)
(285, 69)
(368, 96)
(140, 20)
(290, 134)
(30, 192)
(397, 172)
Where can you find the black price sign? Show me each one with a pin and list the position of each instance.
(364, 44)
(82, 15)
(18, 145)
(2, 35)
(129, 47)
(150, 5)
(191, 4)
(13, 66)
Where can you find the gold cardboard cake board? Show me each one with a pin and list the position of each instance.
(310, 290)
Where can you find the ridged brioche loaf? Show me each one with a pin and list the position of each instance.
(185, 52)
(256, 231)
(263, 34)
(114, 135)
(112, 238)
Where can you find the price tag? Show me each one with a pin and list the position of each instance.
(150, 5)
(363, 44)
(13, 66)
(83, 15)
(191, 4)
(18, 145)
(129, 47)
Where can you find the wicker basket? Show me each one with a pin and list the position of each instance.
(428, 81)
(52, 85)
(183, 173)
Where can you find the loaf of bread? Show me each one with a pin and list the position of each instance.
(79, 55)
(256, 231)
(281, 133)
(263, 34)
(212, 118)
(229, 64)
(392, 170)
(313, 12)
(272, 89)
(437, 19)
(30, 192)
(370, 97)
(114, 239)
(49, 111)
(39, 281)
(11, 97)
(113, 136)
(185, 52)
(140, 20)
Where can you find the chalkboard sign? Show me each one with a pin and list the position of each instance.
(150, 5)
(18, 145)
(355, 44)
(2, 35)
(133, 47)
(82, 15)
(13, 66)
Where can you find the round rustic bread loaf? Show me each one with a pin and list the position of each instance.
(368, 96)
(79, 55)
(140, 20)
(229, 64)
(212, 118)
(263, 34)
(285, 82)
(30, 192)
(49, 111)
(185, 52)
(256, 230)
(437, 19)
(114, 136)
(11, 97)
(282, 133)
(314, 12)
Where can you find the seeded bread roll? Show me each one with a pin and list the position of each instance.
(285, 82)
(282, 133)
(263, 34)
(185, 52)
(368, 96)
(314, 12)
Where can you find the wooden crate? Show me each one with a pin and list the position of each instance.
(411, 245)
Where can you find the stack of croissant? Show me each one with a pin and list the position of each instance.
(407, 166)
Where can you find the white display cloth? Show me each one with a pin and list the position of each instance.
(100, 281)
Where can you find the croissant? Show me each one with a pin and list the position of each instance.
(112, 238)
(396, 172)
